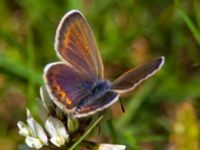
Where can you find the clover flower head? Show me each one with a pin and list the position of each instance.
(35, 135)
(58, 129)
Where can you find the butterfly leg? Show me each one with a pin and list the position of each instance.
(122, 107)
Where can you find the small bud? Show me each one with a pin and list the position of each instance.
(59, 113)
(28, 113)
(72, 124)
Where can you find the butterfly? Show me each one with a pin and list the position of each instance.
(76, 84)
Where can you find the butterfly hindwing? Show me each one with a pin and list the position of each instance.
(65, 85)
(76, 45)
(90, 107)
(129, 80)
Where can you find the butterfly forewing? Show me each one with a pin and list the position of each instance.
(129, 80)
(76, 45)
(65, 85)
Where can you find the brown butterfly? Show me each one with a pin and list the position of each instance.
(76, 84)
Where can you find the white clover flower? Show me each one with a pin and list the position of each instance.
(34, 133)
(33, 142)
(37, 131)
(57, 131)
(23, 129)
(111, 147)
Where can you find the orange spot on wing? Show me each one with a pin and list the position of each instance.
(57, 87)
(67, 38)
(63, 95)
(68, 101)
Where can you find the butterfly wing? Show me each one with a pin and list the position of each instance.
(124, 83)
(129, 80)
(90, 107)
(65, 85)
(67, 82)
(76, 45)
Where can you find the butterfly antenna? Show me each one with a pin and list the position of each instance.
(122, 107)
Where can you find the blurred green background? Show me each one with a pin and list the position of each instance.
(163, 113)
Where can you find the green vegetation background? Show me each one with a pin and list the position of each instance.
(160, 114)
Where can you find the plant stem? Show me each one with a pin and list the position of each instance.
(85, 134)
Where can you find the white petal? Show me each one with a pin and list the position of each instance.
(50, 127)
(33, 142)
(56, 128)
(37, 130)
(23, 128)
(58, 141)
(62, 132)
(111, 147)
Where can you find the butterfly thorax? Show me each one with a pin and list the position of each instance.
(98, 87)
(101, 87)
(95, 90)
